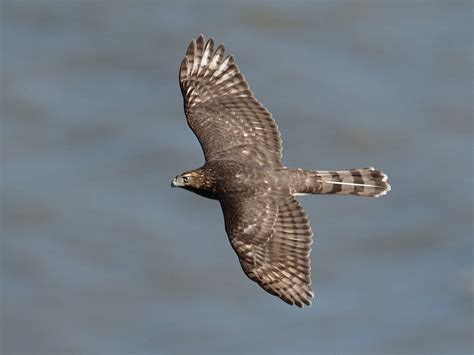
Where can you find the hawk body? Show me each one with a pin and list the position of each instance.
(266, 226)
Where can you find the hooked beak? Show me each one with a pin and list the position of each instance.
(177, 181)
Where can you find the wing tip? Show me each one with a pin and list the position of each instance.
(300, 300)
(201, 54)
(205, 66)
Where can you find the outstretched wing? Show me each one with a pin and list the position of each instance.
(273, 239)
(220, 108)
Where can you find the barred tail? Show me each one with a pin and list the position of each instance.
(361, 182)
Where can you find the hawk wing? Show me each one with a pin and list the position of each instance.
(273, 238)
(220, 108)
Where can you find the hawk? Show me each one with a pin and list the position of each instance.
(266, 226)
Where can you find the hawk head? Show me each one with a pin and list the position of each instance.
(196, 181)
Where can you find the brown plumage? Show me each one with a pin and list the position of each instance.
(267, 228)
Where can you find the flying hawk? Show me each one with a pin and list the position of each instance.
(267, 227)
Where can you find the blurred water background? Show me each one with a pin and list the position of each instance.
(99, 255)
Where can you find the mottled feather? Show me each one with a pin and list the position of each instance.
(229, 122)
(273, 239)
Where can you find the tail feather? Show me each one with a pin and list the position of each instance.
(361, 182)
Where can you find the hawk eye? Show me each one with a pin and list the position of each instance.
(186, 178)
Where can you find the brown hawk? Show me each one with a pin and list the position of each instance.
(267, 227)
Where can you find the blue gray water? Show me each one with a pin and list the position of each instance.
(99, 255)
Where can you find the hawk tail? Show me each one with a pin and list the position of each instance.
(361, 182)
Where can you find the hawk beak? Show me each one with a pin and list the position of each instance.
(175, 182)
